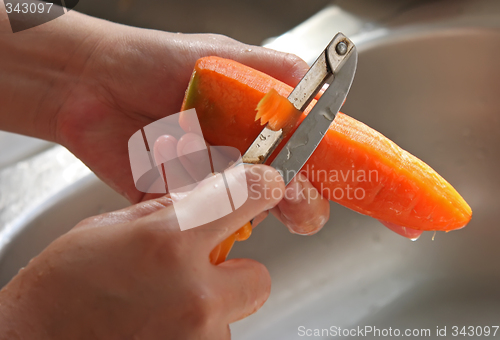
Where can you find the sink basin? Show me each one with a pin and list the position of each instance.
(431, 87)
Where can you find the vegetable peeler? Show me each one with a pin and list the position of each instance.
(335, 67)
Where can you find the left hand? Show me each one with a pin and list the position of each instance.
(90, 84)
(134, 77)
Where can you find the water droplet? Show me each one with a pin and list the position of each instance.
(300, 143)
(262, 137)
(248, 50)
(433, 236)
(328, 114)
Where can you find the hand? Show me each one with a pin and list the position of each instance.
(303, 210)
(134, 274)
(135, 77)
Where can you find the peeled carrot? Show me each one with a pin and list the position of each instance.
(383, 180)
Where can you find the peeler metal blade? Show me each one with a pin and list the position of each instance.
(335, 66)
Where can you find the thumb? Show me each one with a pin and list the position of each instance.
(286, 67)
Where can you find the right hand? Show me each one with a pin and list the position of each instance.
(134, 274)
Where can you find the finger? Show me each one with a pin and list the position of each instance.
(258, 188)
(244, 286)
(221, 251)
(221, 157)
(259, 218)
(128, 214)
(151, 196)
(165, 149)
(172, 171)
(303, 210)
(403, 231)
(196, 158)
(286, 67)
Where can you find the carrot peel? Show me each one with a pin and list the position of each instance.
(276, 111)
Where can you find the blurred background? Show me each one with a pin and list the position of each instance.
(250, 21)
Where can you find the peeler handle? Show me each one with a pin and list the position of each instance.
(219, 253)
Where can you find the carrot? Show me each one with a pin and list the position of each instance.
(354, 165)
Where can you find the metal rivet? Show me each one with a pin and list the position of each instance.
(341, 48)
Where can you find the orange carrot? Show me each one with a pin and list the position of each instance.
(354, 165)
